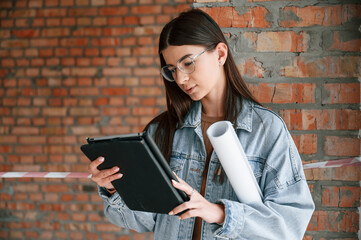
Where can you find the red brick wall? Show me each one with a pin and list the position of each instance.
(303, 61)
(74, 68)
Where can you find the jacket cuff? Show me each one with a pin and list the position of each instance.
(233, 221)
(114, 200)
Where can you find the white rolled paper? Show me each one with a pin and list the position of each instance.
(234, 161)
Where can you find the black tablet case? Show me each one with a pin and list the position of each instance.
(146, 182)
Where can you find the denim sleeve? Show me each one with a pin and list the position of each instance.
(119, 214)
(287, 204)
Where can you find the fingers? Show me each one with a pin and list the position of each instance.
(189, 214)
(103, 177)
(105, 173)
(93, 166)
(182, 185)
(192, 207)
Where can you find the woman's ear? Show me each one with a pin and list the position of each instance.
(222, 51)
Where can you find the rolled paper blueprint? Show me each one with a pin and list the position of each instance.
(234, 161)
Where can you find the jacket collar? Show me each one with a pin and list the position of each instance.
(244, 119)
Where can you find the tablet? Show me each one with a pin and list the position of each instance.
(146, 182)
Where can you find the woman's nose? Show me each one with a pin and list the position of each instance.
(181, 77)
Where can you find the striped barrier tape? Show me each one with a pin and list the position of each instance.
(44, 175)
(356, 161)
(327, 164)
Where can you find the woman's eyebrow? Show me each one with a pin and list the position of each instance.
(185, 56)
(181, 59)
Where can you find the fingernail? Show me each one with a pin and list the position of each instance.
(171, 213)
(101, 159)
(120, 175)
(116, 169)
(173, 181)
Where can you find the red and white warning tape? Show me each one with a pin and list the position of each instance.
(44, 175)
(327, 164)
(356, 161)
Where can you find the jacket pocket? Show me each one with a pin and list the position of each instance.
(176, 165)
(257, 165)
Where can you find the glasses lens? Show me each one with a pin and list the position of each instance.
(168, 73)
(186, 65)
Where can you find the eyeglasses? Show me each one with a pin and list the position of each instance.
(186, 64)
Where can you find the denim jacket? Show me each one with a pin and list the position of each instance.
(287, 204)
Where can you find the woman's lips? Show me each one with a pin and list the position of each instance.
(189, 90)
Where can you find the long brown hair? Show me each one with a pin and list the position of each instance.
(194, 27)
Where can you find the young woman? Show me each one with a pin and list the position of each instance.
(203, 86)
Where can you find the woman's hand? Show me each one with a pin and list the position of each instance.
(198, 206)
(103, 177)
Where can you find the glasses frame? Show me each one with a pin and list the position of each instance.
(162, 71)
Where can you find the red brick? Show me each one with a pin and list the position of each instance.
(146, 71)
(113, 11)
(84, 111)
(138, 10)
(85, 130)
(55, 111)
(5, 111)
(30, 13)
(251, 67)
(116, 32)
(328, 119)
(146, 91)
(25, 33)
(44, 42)
(143, 51)
(32, 140)
(87, 32)
(51, 12)
(107, 228)
(334, 221)
(268, 0)
(84, 91)
(80, 12)
(55, 32)
(332, 66)
(306, 143)
(79, 217)
(5, 4)
(229, 17)
(45, 52)
(107, 52)
(341, 93)
(71, 42)
(333, 15)
(101, 102)
(286, 41)
(55, 22)
(111, 111)
(342, 146)
(25, 130)
(349, 196)
(330, 196)
(55, 188)
(31, 235)
(115, 91)
(350, 173)
(116, 101)
(343, 41)
(116, 71)
(8, 63)
(143, 111)
(284, 92)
